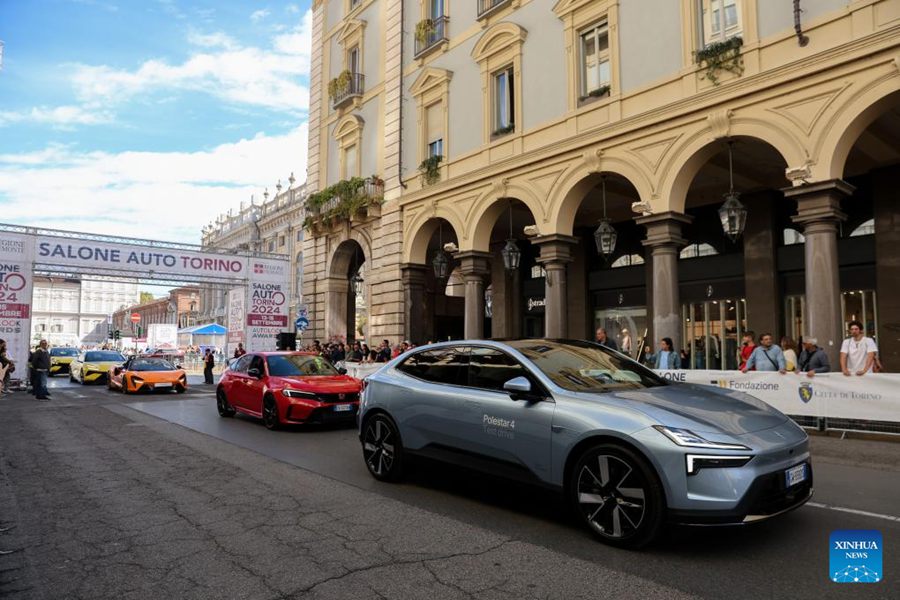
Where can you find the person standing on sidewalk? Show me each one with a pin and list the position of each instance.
(239, 351)
(766, 357)
(601, 338)
(857, 351)
(747, 348)
(40, 362)
(813, 359)
(6, 364)
(209, 361)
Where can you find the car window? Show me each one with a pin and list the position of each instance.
(489, 369)
(257, 363)
(64, 352)
(103, 356)
(586, 367)
(299, 365)
(150, 364)
(443, 365)
(242, 364)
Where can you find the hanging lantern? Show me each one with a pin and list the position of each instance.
(356, 283)
(732, 213)
(605, 236)
(512, 256)
(441, 265)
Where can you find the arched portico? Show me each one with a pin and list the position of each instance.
(345, 291)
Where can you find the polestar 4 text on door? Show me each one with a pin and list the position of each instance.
(287, 387)
(629, 449)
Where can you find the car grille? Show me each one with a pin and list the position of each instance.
(771, 495)
(325, 416)
(336, 398)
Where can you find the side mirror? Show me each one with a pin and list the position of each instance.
(518, 385)
(254, 372)
(342, 371)
(179, 366)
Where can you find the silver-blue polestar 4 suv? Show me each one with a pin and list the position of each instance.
(629, 449)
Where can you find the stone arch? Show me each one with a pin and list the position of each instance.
(569, 191)
(848, 123)
(420, 230)
(697, 149)
(342, 256)
(497, 38)
(483, 214)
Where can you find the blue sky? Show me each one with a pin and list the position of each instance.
(148, 117)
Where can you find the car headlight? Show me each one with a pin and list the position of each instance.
(695, 462)
(136, 379)
(89, 367)
(688, 439)
(298, 394)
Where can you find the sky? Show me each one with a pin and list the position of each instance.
(148, 118)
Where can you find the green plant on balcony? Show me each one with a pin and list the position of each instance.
(338, 202)
(424, 29)
(721, 56)
(603, 90)
(431, 169)
(339, 85)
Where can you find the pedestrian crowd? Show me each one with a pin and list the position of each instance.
(358, 351)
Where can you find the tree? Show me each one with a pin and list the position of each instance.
(146, 297)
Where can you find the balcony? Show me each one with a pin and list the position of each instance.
(345, 87)
(352, 199)
(487, 7)
(430, 33)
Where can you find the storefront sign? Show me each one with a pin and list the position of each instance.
(872, 397)
(534, 303)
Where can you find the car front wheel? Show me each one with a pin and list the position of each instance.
(383, 448)
(225, 409)
(270, 413)
(617, 495)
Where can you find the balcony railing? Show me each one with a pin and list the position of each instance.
(430, 33)
(343, 200)
(486, 7)
(346, 87)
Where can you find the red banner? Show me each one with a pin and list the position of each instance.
(16, 311)
(267, 320)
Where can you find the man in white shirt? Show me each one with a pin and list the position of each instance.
(857, 351)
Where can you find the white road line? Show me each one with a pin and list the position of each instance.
(854, 511)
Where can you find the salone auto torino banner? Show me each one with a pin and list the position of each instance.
(16, 280)
(871, 397)
(267, 304)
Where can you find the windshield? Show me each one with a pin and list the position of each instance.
(294, 364)
(101, 356)
(586, 367)
(63, 352)
(150, 364)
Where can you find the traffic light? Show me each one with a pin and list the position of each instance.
(117, 335)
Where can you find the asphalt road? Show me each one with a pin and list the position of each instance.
(857, 487)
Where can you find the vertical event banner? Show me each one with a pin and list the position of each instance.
(267, 306)
(16, 282)
(234, 320)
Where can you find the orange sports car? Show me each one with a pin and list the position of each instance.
(144, 373)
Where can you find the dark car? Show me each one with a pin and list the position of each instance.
(288, 387)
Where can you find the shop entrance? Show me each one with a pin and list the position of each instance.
(712, 332)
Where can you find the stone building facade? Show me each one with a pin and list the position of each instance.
(549, 117)
(181, 307)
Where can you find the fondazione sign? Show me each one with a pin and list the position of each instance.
(23, 253)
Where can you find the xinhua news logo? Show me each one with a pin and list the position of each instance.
(855, 556)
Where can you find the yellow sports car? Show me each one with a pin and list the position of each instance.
(60, 359)
(93, 366)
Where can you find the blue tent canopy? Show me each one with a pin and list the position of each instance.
(209, 329)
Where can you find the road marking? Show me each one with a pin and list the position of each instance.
(854, 511)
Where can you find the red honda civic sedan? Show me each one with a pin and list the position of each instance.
(288, 387)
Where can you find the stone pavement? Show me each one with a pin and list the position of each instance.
(105, 502)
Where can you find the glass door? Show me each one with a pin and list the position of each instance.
(712, 332)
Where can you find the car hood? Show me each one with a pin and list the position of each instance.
(322, 384)
(703, 409)
(103, 366)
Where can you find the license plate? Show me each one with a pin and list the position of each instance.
(163, 385)
(795, 475)
(343, 407)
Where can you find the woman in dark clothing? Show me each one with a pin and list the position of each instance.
(209, 361)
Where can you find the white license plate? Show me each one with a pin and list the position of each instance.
(162, 385)
(343, 407)
(795, 475)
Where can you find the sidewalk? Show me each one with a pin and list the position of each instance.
(111, 503)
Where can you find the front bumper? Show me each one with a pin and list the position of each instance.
(310, 411)
(94, 376)
(57, 368)
(163, 386)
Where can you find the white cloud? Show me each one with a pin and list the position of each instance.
(157, 195)
(61, 117)
(259, 15)
(234, 73)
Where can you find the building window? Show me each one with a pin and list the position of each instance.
(350, 163)
(628, 260)
(595, 73)
(436, 148)
(504, 101)
(537, 272)
(281, 241)
(300, 235)
(434, 129)
(720, 20)
(353, 59)
(271, 245)
(697, 250)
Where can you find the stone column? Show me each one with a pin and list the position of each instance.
(664, 241)
(556, 254)
(760, 268)
(887, 265)
(413, 277)
(819, 212)
(474, 267)
(337, 290)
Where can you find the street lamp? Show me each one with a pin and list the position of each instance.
(356, 279)
(732, 213)
(605, 236)
(440, 263)
(511, 253)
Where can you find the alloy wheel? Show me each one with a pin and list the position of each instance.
(612, 496)
(270, 414)
(382, 448)
(225, 409)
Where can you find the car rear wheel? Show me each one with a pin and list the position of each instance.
(383, 448)
(270, 413)
(617, 495)
(225, 409)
